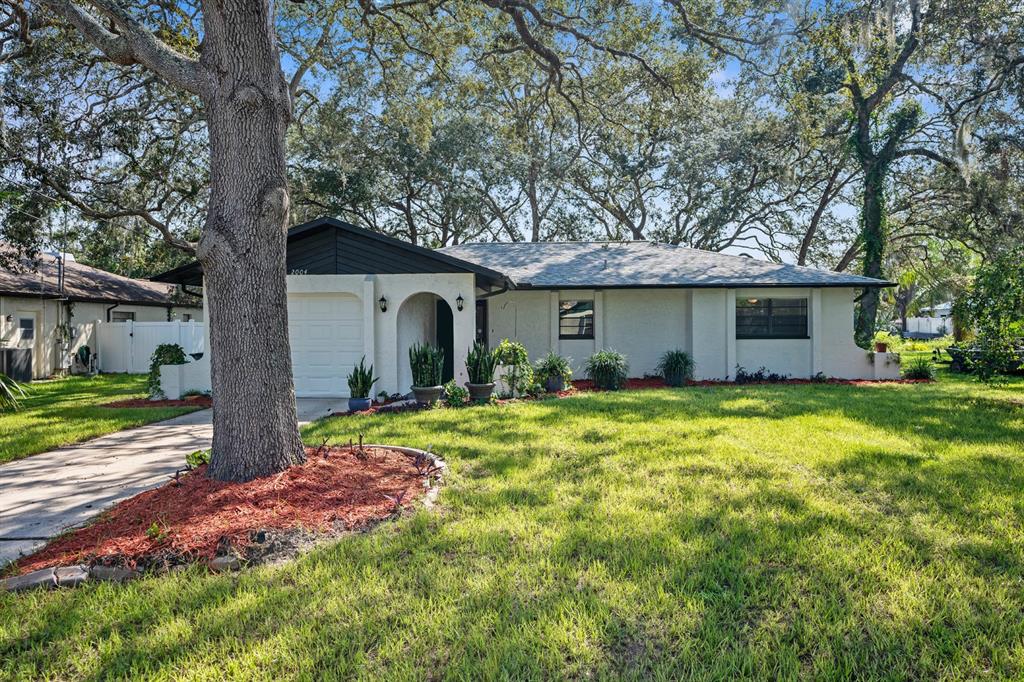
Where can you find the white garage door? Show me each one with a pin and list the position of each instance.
(326, 332)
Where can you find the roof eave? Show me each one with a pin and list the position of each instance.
(711, 285)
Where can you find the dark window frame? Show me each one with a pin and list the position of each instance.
(122, 316)
(770, 319)
(588, 333)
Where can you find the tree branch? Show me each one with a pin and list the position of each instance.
(132, 43)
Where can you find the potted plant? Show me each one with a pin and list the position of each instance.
(480, 364)
(676, 366)
(517, 376)
(426, 362)
(360, 381)
(553, 372)
(608, 369)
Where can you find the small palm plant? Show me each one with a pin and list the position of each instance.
(553, 371)
(676, 366)
(11, 394)
(608, 369)
(361, 380)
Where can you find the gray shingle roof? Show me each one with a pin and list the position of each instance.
(640, 264)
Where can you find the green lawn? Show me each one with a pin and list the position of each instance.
(65, 411)
(757, 532)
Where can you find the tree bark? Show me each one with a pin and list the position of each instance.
(873, 237)
(242, 249)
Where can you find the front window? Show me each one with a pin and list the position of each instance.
(771, 318)
(121, 316)
(575, 319)
(27, 325)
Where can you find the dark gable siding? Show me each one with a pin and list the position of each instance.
(337, 252)
(313, 254)
(360, 255)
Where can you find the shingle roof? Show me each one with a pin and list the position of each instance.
(82, 283)
(640, 264)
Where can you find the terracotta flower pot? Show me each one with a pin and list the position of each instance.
(426, 395)
(881, 347)
(480, 393)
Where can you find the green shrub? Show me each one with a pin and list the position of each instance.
(608, 369)
(165, 354)
(919, 368)
(197, 458)
(480, 364)
(427, 363)
(552, 366)
(512, 355)
(455, 395)
(361, 380)
(676, 366)
(11, 394)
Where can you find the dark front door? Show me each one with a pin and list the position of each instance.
(446, 339)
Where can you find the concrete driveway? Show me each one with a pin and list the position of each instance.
(44, 494)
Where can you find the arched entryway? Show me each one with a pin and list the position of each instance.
(424, 318)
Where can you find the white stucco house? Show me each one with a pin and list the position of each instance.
(355, 293)
(48, 307)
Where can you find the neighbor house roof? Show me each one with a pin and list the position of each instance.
(640, 264)
(82, 283)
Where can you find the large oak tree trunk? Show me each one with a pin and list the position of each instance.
(242, 250)
(873, 236)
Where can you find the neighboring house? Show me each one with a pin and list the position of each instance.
(355, 293)
(46, 306)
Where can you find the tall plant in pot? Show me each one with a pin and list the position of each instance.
(426, 362)
(360, 382)
(480, 365)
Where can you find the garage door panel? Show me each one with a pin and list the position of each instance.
(326, 332)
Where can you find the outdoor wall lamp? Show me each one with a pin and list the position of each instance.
(383, 303)
(459, 302)
(9, 318)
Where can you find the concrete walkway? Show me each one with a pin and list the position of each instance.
(44, 494)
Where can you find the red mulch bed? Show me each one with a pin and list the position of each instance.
(658, 382)
(197, 516)
(194, 401)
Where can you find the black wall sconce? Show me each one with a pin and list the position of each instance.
(459, 302)
(9, 318)
(383, 303)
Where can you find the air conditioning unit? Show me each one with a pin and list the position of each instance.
(16, 363)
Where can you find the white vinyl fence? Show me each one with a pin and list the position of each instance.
(128, 346)
(930, 325)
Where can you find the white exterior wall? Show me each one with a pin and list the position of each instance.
(641, 323)
(383, 335)
(49, 352)
(644, 323)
